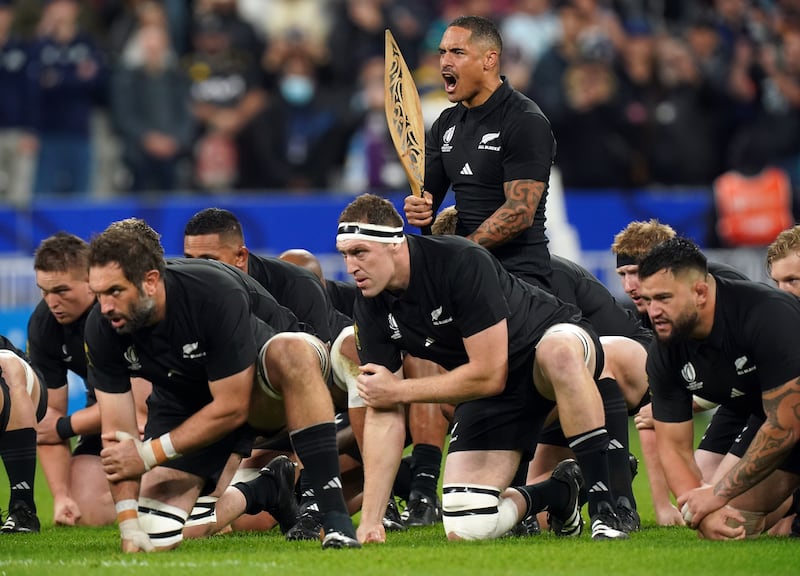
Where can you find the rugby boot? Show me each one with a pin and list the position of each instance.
(285, 510)
(568, 522)
(391, 518)
(421, 511)
(605, 524)
(21, 519)
(628, 517)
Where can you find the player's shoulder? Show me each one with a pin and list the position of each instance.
(284, 268)
(201, 270)
(722, 270)
(41, 319)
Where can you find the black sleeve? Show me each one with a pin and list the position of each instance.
(528, 148)
(672, 402)
(51, 367)
(372, 339)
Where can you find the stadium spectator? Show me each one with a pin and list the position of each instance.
(17, 145)
(686, 146)
(766, 78)
(150, 109)
(67, 80)
(243, 35)
(227, 99)
(294, 24)
(305, 127)
(371, 162)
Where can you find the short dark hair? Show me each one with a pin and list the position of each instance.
(676, 255)
(61, 252)
(214, 221)
(132, 244)
(371, 209)
(483, 30)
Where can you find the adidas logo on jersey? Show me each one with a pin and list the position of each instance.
(466, 170)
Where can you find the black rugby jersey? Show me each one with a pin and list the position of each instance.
(476, 150)
(575, 284)
(297, 289)
(752, 347)
(211, 331)
(55, 348)
(456, 289)
(342, 295)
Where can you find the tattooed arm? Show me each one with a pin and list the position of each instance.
(514, 216)
(770, 446)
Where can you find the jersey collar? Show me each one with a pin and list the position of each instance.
(493, 102)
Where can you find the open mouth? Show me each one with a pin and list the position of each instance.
(450, 82)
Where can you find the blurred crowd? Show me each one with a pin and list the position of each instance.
(288, 94)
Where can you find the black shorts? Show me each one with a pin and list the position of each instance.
(722, 431)
(207, 462)
(553, 434)
(742, 442)
(511, 420)
(88, 445)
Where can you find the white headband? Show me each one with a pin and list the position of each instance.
(371, 232)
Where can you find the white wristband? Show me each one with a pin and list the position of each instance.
(169, 449)
(157, 451)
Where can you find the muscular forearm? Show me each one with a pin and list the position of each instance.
(677, 458)
(765, 453)
(206, 426)
(86, 420)
(55, 461)
(513, 216)
(384, 435)
(659, 489)
(458, 385)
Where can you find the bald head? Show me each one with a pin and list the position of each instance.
(304, 259)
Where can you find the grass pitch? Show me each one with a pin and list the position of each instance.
(652, 552)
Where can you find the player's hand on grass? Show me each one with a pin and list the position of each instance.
(368, 534)
(669, 516)
(66, 512)
(134, 539)
(725, 523)
(699, 502)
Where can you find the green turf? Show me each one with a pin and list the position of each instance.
(651, 552)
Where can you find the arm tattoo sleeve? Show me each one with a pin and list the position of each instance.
(514, 216)
(771, 444)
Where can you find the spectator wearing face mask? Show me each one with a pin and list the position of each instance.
(305, 126)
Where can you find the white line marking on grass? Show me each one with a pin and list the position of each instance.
(139, 563)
